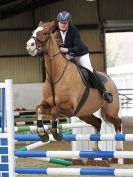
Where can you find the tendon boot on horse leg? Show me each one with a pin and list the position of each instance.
(100, 86)
(96, 123)
(55, 112)
(40, 128)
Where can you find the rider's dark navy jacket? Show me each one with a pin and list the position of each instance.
(73, 42)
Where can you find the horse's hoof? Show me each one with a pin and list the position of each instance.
(96, 149)
(58, 136)
(44, 138)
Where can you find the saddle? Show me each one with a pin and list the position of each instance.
(89, 78)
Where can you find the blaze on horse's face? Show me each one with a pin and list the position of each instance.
(39, 37)
(31, 44)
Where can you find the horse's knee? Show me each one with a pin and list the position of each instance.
(40, 109)
(43, 109)
(55, 111)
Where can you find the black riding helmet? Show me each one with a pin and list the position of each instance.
(64, 17)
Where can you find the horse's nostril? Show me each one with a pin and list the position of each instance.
(32, 44)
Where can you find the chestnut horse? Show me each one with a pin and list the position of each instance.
(64, 88)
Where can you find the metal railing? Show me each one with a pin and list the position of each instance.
(126, 96)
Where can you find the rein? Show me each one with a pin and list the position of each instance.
(51, 57)
(50, 79)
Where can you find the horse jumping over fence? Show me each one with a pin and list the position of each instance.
(63, 88)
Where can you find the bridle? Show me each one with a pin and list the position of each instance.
(42, 42)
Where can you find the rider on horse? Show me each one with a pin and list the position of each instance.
(73, 48)
(64, 90)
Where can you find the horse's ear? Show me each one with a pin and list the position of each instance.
(52, 24)
(40, 23)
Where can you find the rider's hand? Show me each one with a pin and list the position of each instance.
(63, 50)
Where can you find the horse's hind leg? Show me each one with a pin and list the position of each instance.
(96, 123)
(111, 115)
(117, 125)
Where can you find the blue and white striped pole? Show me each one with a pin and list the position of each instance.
(76, 171)
(80, 137)
(76, 154)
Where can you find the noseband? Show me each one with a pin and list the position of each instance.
(36, 39)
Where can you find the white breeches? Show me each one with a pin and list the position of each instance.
(83, 61)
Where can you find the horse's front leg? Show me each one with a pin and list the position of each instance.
(55, 113)
(42, 110)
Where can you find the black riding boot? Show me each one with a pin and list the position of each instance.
(97, 83)
(100, 86)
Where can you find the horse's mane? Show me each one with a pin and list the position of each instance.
(56, 34)
(58, 39)
(52, 26)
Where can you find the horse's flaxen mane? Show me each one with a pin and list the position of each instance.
(57, 38)
(52, 26)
